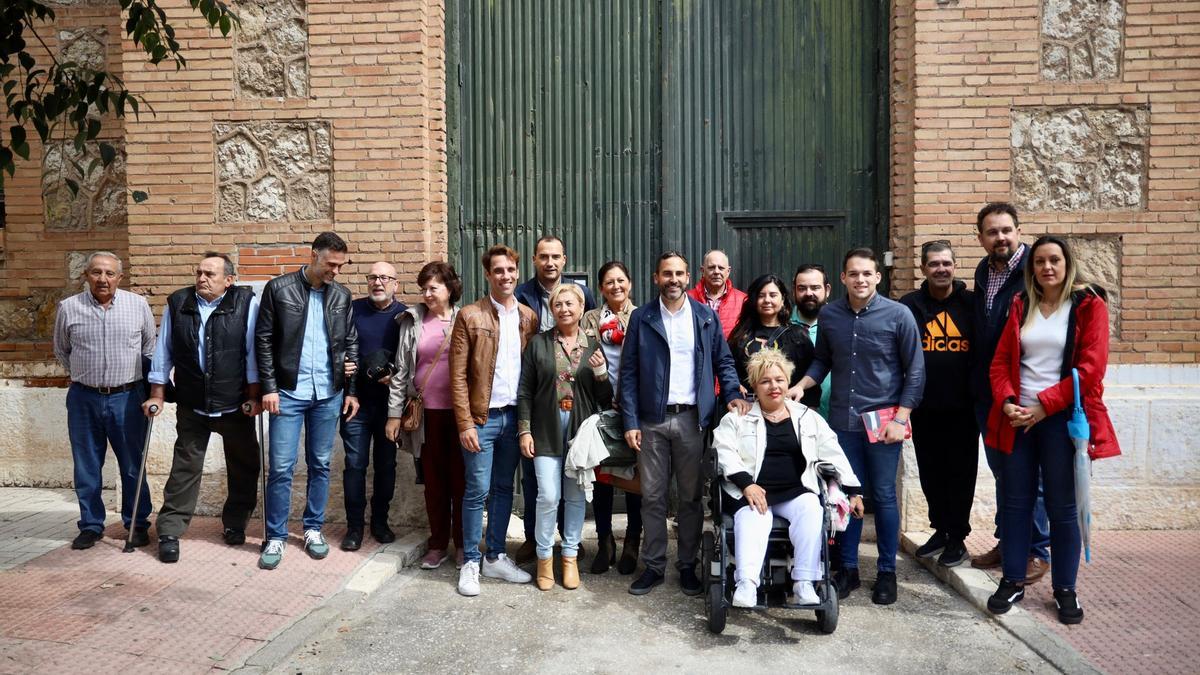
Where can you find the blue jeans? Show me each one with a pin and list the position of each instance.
(490, 476)
(551, 488)
(875, 464)
(358, 437)
(1039, 545)
(319, 419)
(1046, 447)
(95, 420)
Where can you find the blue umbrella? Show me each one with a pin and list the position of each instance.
(1080, 432)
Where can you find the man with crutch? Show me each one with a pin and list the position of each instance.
(207, 337)
(100, 338)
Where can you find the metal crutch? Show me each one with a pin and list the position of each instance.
(137, 496)
(264, 466)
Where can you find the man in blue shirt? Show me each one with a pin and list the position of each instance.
(304, 334)
(378, 335)
(871, 346)
(207, 339)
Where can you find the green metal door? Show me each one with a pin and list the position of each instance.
(631, 126)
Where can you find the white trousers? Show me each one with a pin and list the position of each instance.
(751, 530)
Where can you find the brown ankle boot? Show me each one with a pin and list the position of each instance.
(570, 573)
(545, 574)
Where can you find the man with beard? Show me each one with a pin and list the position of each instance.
(810, 289)
(549, 259)
(945, 434)
(672, 352)
(999, 276)
(716, 290)
(378, 334)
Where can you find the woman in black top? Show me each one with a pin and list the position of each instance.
(768, 460)
(765, 322)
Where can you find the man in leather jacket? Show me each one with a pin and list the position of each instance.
(305, 332)
(207, 338)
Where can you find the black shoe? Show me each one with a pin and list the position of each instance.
(86, 539)
(846, 580)
(688, 581)
(353, 539)
(884, 592)
(1070, 611)
(936, 543)
(606, 554)
(168, 549)
(954, 554)
(629, 554)
(646, 583)
(234, 536)
(141, 537)
(1004, 597)
(382, 533)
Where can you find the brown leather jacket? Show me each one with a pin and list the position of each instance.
(473, 346)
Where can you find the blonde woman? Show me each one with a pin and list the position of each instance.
(768, 460)
(564, 380)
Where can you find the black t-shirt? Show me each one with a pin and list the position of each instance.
(792, 341)
(782, 467)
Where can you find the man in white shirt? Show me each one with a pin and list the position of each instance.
(485, 368)
(673, 350)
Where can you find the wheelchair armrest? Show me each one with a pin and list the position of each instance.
(827, 471)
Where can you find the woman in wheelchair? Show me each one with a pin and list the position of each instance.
(768, 460)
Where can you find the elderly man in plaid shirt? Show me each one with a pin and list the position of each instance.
(100, 337)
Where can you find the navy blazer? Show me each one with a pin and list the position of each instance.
(988, 327)
(530, 295)
(646, 366)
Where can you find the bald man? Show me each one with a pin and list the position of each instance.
(716, 290)
(378, 334)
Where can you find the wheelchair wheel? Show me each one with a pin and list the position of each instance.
(827, 619)
(708, 548)
(714, 607)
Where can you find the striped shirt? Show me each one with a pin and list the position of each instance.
(995, 280)
(102, 347)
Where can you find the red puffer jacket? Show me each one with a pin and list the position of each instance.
(1087, 350)
(730, 308)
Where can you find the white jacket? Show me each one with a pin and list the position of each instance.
(584, 454)
(741, 443)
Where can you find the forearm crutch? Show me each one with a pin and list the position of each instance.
(137, 495)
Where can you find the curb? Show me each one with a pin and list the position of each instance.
(976, 585)
(370, 575)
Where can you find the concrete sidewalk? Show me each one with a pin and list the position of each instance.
(1140, 594)
(101, 610)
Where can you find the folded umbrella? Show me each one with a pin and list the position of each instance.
(1080, 433)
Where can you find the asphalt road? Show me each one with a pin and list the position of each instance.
(418, 623)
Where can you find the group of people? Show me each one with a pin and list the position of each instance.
(775, 379)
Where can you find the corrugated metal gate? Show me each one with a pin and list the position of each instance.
(630, 126)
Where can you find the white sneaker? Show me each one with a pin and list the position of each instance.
(804, 593)
(504, 568)
(745, 594)
(468, 579)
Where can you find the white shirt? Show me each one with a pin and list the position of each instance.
(508, 356)
(681, 337)
(1042, 346)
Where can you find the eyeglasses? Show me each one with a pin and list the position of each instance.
(372, 278)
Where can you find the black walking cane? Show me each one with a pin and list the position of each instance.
(137, 496)
(264, 466)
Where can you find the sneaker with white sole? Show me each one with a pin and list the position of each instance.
(468, 579)
(433, 559)
(504, 568)
(804, 594)
(314, 544)
(745, 594)
(272, 555)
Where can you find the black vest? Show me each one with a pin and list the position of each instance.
(223, 385)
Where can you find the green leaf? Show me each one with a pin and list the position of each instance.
(140, 196)
(6, 160)
(93, 128)
(17, 134)
(107, 153)
(27, 61)
(43, 129)
(72, 186)
(226, 25)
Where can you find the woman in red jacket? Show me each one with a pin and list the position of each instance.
(1057, 324)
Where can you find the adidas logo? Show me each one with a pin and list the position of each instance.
(942, 335)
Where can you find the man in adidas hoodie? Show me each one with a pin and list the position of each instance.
(945, 433)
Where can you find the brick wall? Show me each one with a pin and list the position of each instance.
(962, 70)
(34, 272)
(376, 76)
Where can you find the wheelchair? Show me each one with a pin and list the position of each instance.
(717, 563)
